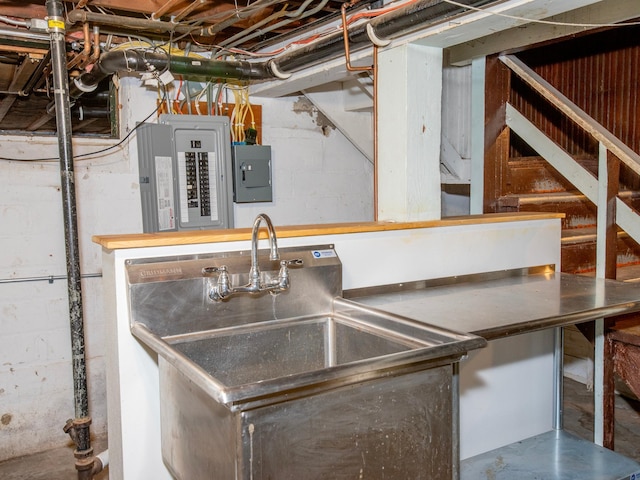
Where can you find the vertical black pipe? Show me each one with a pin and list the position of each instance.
(56, 26)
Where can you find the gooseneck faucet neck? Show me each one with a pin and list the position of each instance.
(224, 288)
(273, 241)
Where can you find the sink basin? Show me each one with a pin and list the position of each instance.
(299, 355)
(260, 353)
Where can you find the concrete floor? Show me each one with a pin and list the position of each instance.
(58, 464)
(578, 418)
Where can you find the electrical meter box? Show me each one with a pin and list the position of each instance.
(185, 173)
(252, 173)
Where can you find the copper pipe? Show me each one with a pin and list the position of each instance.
(375, 133)
(82, 56)
(96, 45)
(82, 3)
(345, 37)
(164, 9)
(374, 70)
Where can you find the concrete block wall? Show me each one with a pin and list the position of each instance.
(318, 178)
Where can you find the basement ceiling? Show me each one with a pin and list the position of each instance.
(222, 27)
(250, 30)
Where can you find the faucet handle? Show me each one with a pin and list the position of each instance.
(222, 288)
(296, 262)
(283, 274)
(209, 271)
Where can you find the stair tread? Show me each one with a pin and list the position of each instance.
(565, 195)
(585, 234)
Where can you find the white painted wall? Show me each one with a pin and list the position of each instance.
(317, 178)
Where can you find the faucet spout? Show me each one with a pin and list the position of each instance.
(254, 273)
(223, 288)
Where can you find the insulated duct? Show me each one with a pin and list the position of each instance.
(388, 26)
(138, 60)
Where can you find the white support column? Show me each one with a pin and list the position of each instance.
(409, 125)
(601, 261)
(478, 67)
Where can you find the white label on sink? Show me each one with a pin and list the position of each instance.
(323, 253)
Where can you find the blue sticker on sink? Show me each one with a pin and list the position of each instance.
(323, 253)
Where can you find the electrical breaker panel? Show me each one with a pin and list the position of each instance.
(252, 173)
(185, 173)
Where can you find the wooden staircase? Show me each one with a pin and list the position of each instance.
(533, 185)
(526, 115)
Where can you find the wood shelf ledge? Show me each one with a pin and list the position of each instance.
(188, 237)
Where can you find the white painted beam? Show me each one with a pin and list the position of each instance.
(605, 11)
(493, 18)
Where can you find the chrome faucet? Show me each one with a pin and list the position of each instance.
(223, 288)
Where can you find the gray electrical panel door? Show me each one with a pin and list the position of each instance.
(185, 173)
(252, 173)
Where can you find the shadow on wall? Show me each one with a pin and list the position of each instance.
(455, 200)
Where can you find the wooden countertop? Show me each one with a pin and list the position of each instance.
(187, 237)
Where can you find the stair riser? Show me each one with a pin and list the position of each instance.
(580, 257)
(536, 178)
(578, 214)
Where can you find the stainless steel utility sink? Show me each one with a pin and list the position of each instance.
(295, 356)
(300, 385)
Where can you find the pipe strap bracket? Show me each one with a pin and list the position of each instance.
(375, 39)
(276, 71)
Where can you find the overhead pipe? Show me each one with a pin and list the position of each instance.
(24, 39)
(78, 428)
(139, 60)
(120, 21)
(80, 58)
(379, 30)
(83, 112)
(388, 26)
(237, 16)
(298, 14)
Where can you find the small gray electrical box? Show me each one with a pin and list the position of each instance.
(252, 173)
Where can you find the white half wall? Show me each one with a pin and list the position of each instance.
(506, 389)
